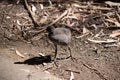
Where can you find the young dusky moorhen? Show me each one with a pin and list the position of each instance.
(59, 36)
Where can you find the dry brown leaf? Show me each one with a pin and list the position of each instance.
(82, 35)
(19, 54)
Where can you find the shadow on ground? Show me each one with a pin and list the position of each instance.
(36, 60)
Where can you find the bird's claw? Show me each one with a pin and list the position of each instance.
(72, 58)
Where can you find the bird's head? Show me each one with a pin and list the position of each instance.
(50, 29)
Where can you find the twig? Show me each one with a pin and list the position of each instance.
(3, 16)
(103, 41)
(95, 7)
(99, 33)
(45, 1)
(113, 21)
(82, 35)
(50, 2)
(31, 14)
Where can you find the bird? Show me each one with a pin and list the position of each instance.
(59, 36)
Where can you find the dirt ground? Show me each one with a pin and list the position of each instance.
(93, 61)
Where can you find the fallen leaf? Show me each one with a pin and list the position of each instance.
(85, 30)
(33, 8)
(19, 54)
(8, 17)
(41, 54)
(72, 76)
(18, 22)
(41, 6)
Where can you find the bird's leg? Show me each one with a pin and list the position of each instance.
(71, 54)
(70, 51)
(55, 54)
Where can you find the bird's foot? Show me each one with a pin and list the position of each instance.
(72, 58)
(55, 62)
